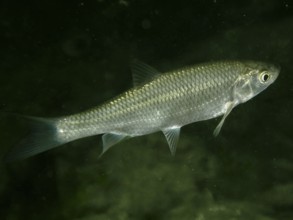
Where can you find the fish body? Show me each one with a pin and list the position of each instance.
(159, 102)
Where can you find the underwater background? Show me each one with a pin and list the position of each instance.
(62, 57)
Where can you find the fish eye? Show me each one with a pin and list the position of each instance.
(264, 77)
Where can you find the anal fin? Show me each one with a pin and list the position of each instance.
(109, 140)
(172, 135)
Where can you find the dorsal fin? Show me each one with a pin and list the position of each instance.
(142, 73)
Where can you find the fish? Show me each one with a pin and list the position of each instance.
(157, 102)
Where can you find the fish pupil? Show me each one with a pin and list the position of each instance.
(265, 77)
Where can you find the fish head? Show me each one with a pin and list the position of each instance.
(262, 75)
(256, 77)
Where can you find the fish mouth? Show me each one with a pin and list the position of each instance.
(275, 70)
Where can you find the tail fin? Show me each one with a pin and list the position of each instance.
(42, 138)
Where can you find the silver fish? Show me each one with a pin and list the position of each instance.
(158, 102)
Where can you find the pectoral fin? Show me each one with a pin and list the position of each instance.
(172, 136)
(109, 140)
(229, 107)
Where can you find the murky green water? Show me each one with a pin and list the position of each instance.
(59, 58)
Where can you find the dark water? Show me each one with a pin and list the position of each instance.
(61, 57)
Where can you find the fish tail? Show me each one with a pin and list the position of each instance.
(43, 137)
